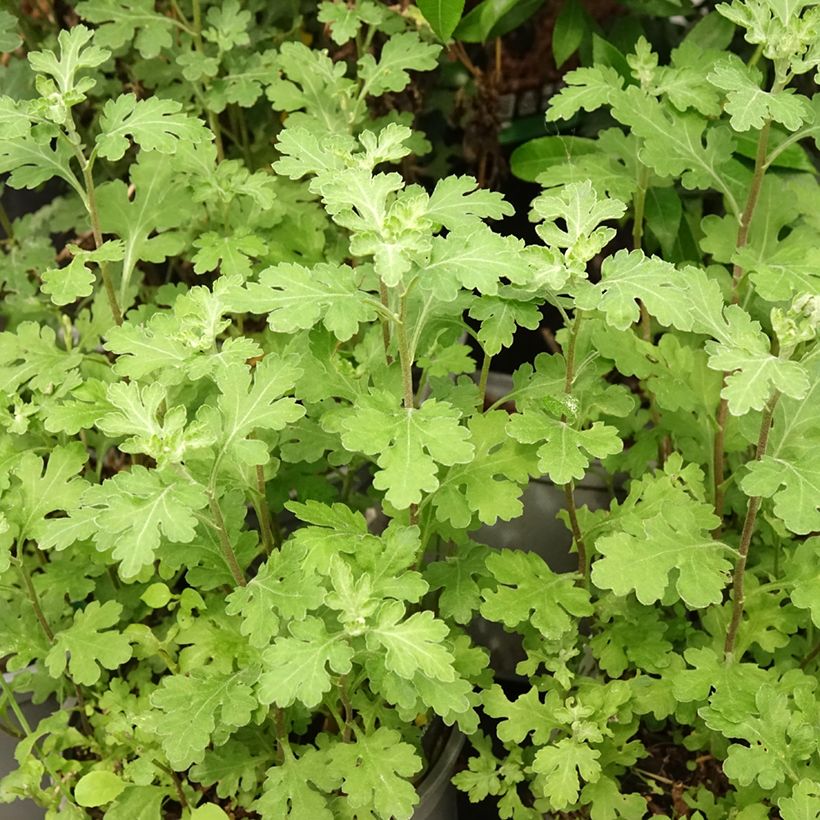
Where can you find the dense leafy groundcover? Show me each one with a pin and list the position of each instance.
(245, 441)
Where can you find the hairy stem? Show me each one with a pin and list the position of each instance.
(638, 209)
(33, 597)
(569, 488)
(407, 378)
(348, 707)
(96, 230)
(183, 800)
(225, 542)
(719, 461)
(213, 119)
(263, 511)
(577, 535)
(385, 300)
(811, 656)
(404, 356)
(751, 203)
(737, 276)
(281, 735)
(738, 580)
(482, 379)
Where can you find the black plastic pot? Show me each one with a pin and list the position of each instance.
(34, 713)
(438, 795)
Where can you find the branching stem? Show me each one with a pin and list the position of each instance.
(746, 217)
(96, 230)
(738, 580)
(751, 203)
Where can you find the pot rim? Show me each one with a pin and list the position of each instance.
(438, 776)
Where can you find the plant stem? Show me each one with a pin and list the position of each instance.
(639, 206)
(718, 459)
(572, 510)
(569, 488)
(737, 275)
(811, 656)
(341, 726)
(183, 800)
(225, 542)
(5, 223)
(348, 717)
(11, 731)
(407, 378)
(404, 356)
(385, 300)
(263, 511)
(751, 203)
(738, 580)
(281, 734)
(653, 776)
(482, 379)
(638, 209)
(33, 597)
(245, 139)
(213, 119)
(570, 357)
(96, 230)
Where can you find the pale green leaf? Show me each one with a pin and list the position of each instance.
(376, 773)
(559, 768)
(190, 708)
(98, 788)
(528, 591)
(89, 645)
(410, 444)
(154, 124)
(296, 667)
(411, 645)
(400, 54)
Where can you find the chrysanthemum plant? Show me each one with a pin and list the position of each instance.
(245, 437)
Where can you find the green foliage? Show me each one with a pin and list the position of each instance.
(248, 445)
(442, 15)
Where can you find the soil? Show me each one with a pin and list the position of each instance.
(669, 772)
